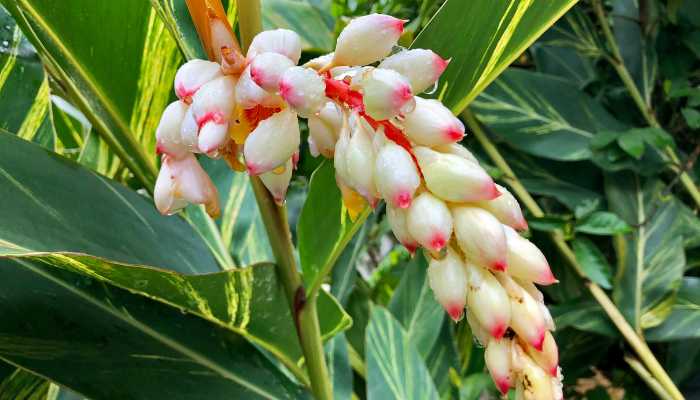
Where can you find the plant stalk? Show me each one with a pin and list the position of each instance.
(646, 376)
(636, 342)
(276, 224)
(643, 105)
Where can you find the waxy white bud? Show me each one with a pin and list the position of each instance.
(281, 41)
(482, 336)
(429, 221)
(386, 93)
(320, 61)
(397, 221)
(498, 356)
(421, 67)
(182, 181)
(396, 175)
(249, 94)
(192, 75)
(367, 39)
(277, 182)
(526, 261)
(448, 280)
(359, 159)
(453, 178)
(304, 90)
(534, 384)
(457, 150)
(324, 129)
(212, 136)
(340, 155)
(432, 124)
(548, 357)
(526, 318)
(267, 69)
(213, 105)
(488, 301)
(272, 143)
(189, 131)
(168, 134)
(481, 237)
(506, 208)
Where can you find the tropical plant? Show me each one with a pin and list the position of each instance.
(591, 124)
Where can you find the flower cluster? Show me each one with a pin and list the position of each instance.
(386, 144)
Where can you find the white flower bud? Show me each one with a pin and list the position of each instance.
(488, 301)
(340, 155)
(526, 318)
(277, 182)
(498, 361)
(429, 222)
(249, 94)
(453, 178)
(534, 384)
(506, 208)
(267, 69)
(320, 61)
(324, 129)
(192, 75)
(421, 67)
(457, 150)
(189, 131)
(483, 337)
(359, 158)
(548, 357)
(481, 237)
(432, 124)
(182, 181)
(212, 107)
(168, 134)
(304, 90)
(448, 280)
(396, 175)
(367, 39)
(212, 136)
(281, 41)
(272, 143)
(526, 261)
(398, 224)
(386, 93)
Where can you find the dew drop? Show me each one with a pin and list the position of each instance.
(8, 27)
(408, 106)
(5, 43)
(433, 88)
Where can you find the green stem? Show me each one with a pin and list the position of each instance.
(646, 377)
(636, 342)
(643, 105)
(276, 224)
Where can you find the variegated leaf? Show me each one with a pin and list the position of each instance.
(683, 318)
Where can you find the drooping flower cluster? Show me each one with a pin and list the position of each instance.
(386, 144)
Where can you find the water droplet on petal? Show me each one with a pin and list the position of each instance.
(433, 88)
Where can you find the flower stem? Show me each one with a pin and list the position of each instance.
(643, 105)
(634, 340)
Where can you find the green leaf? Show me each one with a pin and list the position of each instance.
(592, 261)
(602, 223)
(684, 320)
(324, 228)
(106, 342)
(692, 117)
(23, 385)
(474, 385)
(583, 315)
(542, 115)
(483, 48)
(303, 17)
(632, 144)
(339, 368)
(651, 259)
(395, 369)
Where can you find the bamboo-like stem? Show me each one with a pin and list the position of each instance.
(618, 64)
(636, 342)
(646, 377)
(277, 226)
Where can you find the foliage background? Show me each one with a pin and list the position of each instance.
(561, 115)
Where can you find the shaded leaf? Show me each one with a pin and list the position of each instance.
(683, 322)
(303, 17)
(339, 368)
(583, 315)
(632, 144)
(602, 223)
(692, 117)
(592, 261)
(474, 385)
(23, 385)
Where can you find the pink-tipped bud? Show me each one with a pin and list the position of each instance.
(488, 301)
(249, 94)
(281, 41)
(534, 383)
(557, 387)
(168, 134)
(481, 237)
(526, 261)
(212, 136)
(214, 101)
(267, 69)
(340, 152)
(482, 336)
(397, 221)
(498, 361)
(457, 150)
(448, 281)
(192, 75)
(277, 182)
(183, 181)
(360, 158)
(429, 221)
(189, 131)
(453, 178)
(367, 39)
(526, 318)
(506, 208)
(272, 143)
(386, 93)
(548, 357)
(304, 90)
(324, 129)
(432, 124)
(396, 175)
(421, 67)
